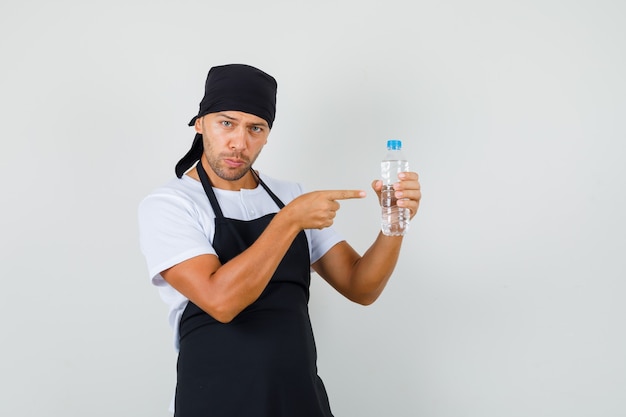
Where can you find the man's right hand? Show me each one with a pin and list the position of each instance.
(317, 209)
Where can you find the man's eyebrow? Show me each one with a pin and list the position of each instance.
(227, 116)
(260, 123)
(263, 124)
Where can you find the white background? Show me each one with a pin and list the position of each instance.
(509, 297)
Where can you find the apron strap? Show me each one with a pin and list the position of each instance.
(208, 190)
(219, 215)
(277, 200)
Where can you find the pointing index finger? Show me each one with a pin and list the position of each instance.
(344, 194)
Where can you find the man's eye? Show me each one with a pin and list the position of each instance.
(226, 123)
(257, 129)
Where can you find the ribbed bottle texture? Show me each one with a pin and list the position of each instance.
(395, 220)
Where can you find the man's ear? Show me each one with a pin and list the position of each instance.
(198, 125)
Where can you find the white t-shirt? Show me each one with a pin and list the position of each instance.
(176, 223)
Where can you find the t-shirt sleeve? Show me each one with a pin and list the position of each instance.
(170, 232)
(322, 241)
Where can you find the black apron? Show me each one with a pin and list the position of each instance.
(262, 363)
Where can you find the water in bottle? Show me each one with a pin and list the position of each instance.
(395, 220)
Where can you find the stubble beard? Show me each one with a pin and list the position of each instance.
(229, 173)
(219, 167)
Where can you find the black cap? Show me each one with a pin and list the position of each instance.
(232, 87)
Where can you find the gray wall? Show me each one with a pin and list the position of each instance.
(508, 299)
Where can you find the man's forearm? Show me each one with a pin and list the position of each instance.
(372, 272)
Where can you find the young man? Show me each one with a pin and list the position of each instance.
(231, 250)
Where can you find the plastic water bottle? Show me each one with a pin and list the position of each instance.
(395, 220)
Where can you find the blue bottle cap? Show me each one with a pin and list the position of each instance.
(394, 144)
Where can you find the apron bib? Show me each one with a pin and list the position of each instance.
(262, 363)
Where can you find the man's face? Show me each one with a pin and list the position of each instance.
(232, 141)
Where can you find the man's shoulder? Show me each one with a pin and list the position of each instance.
(183, 189)
(185, 186)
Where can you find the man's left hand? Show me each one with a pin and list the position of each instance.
(407, 191)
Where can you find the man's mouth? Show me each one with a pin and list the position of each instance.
(234, 162)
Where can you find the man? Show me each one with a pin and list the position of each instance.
(231, 250)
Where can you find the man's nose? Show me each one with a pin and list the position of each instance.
(238, 140)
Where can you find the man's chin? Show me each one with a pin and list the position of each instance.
(232, 174)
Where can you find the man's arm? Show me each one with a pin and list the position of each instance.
(223, 291)
(363, 278)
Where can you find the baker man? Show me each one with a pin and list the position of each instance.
(230, 250)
